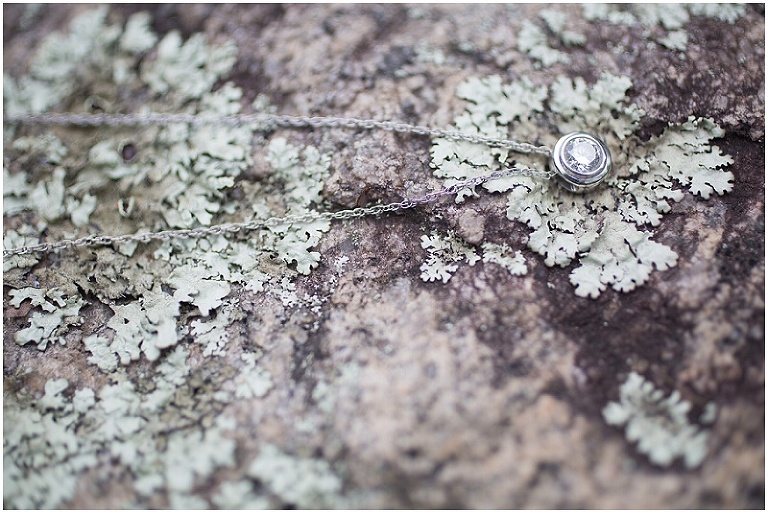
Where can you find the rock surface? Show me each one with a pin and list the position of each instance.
(377, 390)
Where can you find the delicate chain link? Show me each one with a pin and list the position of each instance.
(310, 217)
(267, 120)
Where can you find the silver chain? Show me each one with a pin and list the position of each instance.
(309, 217)
(267, 120)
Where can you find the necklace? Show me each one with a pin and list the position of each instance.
(579, 162)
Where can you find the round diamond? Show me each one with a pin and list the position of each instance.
(582, 155)
(580, 161)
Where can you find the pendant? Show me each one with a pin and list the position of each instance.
(580, 161)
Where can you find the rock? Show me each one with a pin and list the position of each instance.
(358, 384)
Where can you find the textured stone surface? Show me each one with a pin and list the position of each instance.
(486, 391)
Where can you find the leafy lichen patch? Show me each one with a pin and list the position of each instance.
(443, 256)
(658, 424)
(296, 481)
(608, 230)
(557, 21)
(157, 297)
(385, 384)
(534, 37)
(60, 311)
(532, 40)
(501, 254)
(666, 22)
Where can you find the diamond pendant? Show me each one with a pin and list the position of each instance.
(580, 161)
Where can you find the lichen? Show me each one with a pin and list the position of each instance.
(186, 69)
(147, 326)
(608, 231)
(501, 254)
(174, 176)
(664, 22)
(196, 453)
(49, 326)
(658, 424)
(728, 13)
(161, 425)
(296, 481)
(175, 304)
(532, 40)
(54, 69)
(443, 256)
(675, 40)
(213, 334)
(51, 440)
(25, 236)
(42, 452)
(301, 173)
(252, 381)
(557, 22)
(239, 495)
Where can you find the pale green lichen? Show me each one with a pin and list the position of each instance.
(214, 334)
(48, 300)
(501, 254)
(658, 424)
(49, 442)
(59, 59)
(53, 400)
(607, 229)
(624, 266)
(147, 326)
(252, 381)
(605, 12)
(60, 311)
(723, 12)
(187, 69)
(196, 453)
(41, 451)
(161, 425)
(296, 481)
(670, 16)
(177, 178)
(239, 495)
(101, 354)
(194, 285)
(25, 236)
(664, 22)
(302, 173)
(675, 40)
(557, 22)
(444, 255)
(532, 40)
(138, 36)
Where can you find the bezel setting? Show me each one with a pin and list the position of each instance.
(580, 161)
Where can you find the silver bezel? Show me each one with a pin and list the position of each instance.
(572, 179)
